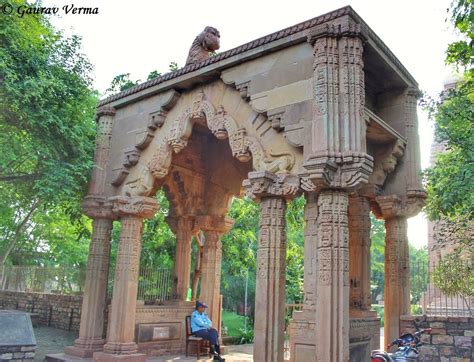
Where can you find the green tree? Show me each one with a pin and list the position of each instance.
(377, 257)
(454, 275)
(47, 126)
(450, 181)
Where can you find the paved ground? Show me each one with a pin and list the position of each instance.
(52, 341)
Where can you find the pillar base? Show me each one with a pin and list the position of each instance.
(109, 357)
(85, 348)
(302, 336)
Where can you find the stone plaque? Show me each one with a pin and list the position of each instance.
(16, 329)
(161, 333)
(158, 332)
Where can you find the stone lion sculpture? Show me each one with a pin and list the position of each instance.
(207, 41)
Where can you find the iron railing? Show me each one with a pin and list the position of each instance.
(154, 285)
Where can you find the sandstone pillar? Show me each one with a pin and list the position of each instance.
(105, 119)
(93, 306)
(336, 162)
(303, 323)
(332, 277)
(397, 277)
(95, 293)
(121, 330)
(183, 228)
(359, 253)
(271, 190)
(214, 228)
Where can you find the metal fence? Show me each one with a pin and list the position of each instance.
(154, 285)
(56, 280)
(457, 279)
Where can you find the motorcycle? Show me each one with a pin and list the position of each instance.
(407, 348)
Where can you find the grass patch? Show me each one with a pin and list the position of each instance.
(233, 322)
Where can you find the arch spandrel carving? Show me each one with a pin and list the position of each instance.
(221, 110)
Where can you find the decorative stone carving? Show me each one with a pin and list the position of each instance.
(222, 125)
(277, 119)
(105, 111)
(243, 89)
(143, 140)
(396, 206)
(332, 277)
(397, 282)
(265, 184)
(141, 186)
(359, 250)
(337, 171)
(338, 157)
(97, 207)
(385, 162)
(92, 314)
(105, 121)
(270, 284)
(184, 228)
(207, 41)
(161, 160)
(138, 206)
(131, 157)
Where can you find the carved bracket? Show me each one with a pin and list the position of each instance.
(267, 184)
(386, 161)
(343, 171)
(97, 207)
(392, 206)
(138, 206)
(143, 139)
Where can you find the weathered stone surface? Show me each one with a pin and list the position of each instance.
(440, 339)
(16, 329)
(310, 108)
(461, 341)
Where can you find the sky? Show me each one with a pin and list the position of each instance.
(140, 36)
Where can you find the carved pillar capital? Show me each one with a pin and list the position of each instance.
(342, 27)
(138, 206)
(217, 223)
(97, 207)
(393, 206)
(105, 111)
(262, 184)
(340, 171)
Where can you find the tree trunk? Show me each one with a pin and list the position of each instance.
(18, 232)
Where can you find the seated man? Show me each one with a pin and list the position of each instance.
(201, 326)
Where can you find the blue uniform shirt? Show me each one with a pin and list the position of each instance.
(200, 321)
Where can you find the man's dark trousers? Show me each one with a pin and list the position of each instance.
(209, 334)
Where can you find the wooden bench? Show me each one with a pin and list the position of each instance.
(190, 338)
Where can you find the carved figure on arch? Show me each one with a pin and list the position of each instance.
(207, 41)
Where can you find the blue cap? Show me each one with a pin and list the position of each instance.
(200, 304)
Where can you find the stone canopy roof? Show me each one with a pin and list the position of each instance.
(285, 37)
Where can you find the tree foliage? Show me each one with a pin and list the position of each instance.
(454, 275)
(450, 181)
(47, 127)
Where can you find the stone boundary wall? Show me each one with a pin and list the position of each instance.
(55, 310)
(17, 353)
(451, 340)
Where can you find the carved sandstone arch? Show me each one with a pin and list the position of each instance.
(222, 126)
